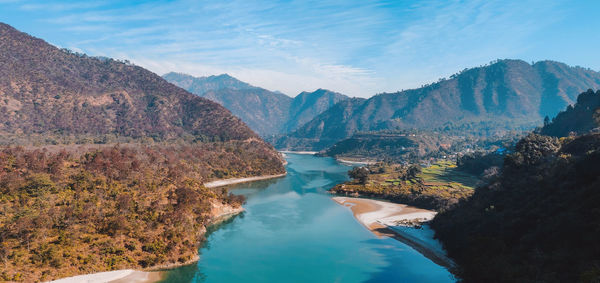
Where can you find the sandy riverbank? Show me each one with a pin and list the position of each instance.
(358, 162)
(300, 152)
(381, 217)
(375, 214)
(220, 183)
(117, 276)
(221, 213)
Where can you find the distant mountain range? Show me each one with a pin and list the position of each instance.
(266, 112)
(201, 85)
(505, 95)
(308, 105)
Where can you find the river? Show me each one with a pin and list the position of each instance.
(292, 231)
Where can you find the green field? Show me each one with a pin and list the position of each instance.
(446, 172)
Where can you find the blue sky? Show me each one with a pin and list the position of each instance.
(359, 48)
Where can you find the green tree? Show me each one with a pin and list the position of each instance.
(413, 171)
(361, 174)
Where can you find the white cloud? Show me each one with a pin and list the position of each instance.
(338, 78)
(61, 6)
(356, 48)
(453, 35)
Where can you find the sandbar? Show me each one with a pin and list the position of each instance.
(380, 217)
(116, 276)
(225, 182)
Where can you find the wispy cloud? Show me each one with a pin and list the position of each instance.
(57, 7)
(356, 47)
(449, 36)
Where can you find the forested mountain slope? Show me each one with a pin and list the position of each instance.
(266, 112)
(537, 221)
(200, 85)
(581, 118)
(308, 105)
(505, 95)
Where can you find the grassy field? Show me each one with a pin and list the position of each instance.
(437, 187)
(444, 173)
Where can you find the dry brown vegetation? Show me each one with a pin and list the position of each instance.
(72, 201)
(48, 91)
(67, 211)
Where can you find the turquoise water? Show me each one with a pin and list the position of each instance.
(292, 231)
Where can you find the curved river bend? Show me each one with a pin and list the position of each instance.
(292, 231)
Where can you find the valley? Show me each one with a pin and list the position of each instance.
(292, 230)
(102, 164)
(266, 112)
(476, 174)
(290, 141)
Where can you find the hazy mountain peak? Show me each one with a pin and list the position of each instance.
(223, 76)
(200, 85)
(308, 105)
(266, 112)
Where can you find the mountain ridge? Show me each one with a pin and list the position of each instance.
(308, 105)
(48, 90)
(200, 85)
(510, 90)
(267, 112)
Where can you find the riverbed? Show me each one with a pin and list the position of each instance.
(292, 231)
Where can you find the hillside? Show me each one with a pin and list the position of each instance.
(103, 163)
(266, 112)
(311, 135)
(581, 118)
(47, 91)
(69, 210)
(308, 105)
(505, 95)
(538, 219)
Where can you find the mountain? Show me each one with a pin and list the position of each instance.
(45, 90)
(266, 112)
(203, 84)
(106, 161)
(312, 135)
(536, 221)
(53, 96)
(501, 96)
(263, 111)
(308, 105)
